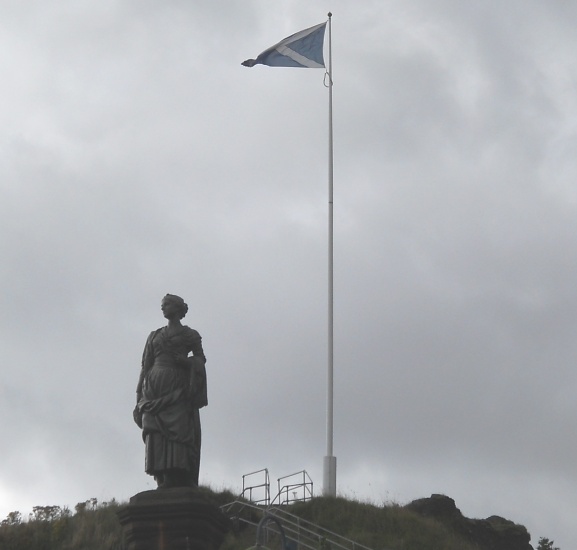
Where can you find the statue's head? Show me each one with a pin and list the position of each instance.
(180, 307)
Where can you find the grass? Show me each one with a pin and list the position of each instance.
(95, 527)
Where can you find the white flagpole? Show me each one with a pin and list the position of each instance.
(330, 461)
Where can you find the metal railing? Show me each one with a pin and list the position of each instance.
(301, 490)
(303, 534)
(263, 487)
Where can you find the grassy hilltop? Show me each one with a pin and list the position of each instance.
(428, 524)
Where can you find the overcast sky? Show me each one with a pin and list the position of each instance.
(138, 157)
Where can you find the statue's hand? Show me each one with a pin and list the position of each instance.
(137, 415)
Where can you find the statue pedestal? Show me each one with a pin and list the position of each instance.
(172, 519)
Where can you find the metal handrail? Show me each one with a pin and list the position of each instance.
(305, 533)
(304, 485)
(265, 485)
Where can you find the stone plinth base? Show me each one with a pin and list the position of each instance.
(172, 519)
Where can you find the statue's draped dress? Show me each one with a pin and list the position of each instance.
(169, 402)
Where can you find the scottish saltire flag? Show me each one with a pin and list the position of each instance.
(302, 49)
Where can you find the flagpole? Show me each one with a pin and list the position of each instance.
(330, 461)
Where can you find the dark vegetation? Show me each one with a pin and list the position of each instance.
(92, 526)
(417, 526)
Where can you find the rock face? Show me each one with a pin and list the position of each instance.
(493, 533)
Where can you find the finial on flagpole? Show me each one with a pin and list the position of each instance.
(330, 14)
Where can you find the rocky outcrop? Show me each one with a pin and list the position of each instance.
(493, 533)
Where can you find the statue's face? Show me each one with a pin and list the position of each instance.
(170, 308)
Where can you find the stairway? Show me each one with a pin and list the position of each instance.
(299, 533)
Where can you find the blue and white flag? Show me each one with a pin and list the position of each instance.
(302, 49)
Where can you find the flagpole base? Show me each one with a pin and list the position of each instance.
(330, 476)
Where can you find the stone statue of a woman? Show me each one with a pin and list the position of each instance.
(171, 390)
